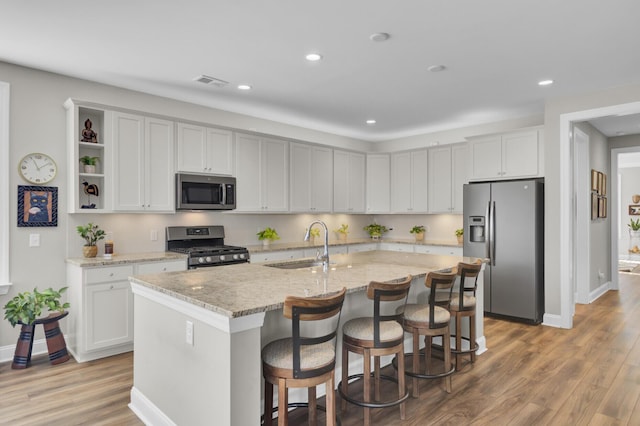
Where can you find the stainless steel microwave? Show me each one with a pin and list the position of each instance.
(205, 192)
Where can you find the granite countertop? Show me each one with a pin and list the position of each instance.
(319, 242)
(245, 289)
(120, 259)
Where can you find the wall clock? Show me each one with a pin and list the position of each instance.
(37, 168)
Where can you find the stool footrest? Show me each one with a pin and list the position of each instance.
(373, 404)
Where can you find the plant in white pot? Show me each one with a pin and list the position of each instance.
(375, 230)
(459, 235)
(89, 163)
(91, 234)
(267, 235)
(418, 232)
(342, 232)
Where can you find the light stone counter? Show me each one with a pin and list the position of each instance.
(119, 259)
(319, 242)
(245, 289)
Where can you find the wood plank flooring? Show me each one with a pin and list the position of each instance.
(531, 375)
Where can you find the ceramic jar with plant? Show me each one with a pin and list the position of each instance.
(267, 235)
(375, 230)
(634, 236)
(89, 163)
(460, 235)
(418, 232)
(91, 234)
(342, 232)
(315, 232)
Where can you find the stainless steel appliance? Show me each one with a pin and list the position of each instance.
(504, 222)
(204, 245)
(205, 192)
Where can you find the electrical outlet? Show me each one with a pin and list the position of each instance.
(34, 240)
(189, 333)
(154, 235)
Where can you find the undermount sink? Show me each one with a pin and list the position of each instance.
(296, 264)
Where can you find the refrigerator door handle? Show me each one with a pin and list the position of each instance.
(487, 239)
(492, 230)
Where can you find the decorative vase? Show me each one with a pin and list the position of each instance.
(90, 251)
(265, 243)
(460, 239)
(635, 198)
(419, 236)
(375, 236)
(89, 168)
(634, 241)
(342, 237)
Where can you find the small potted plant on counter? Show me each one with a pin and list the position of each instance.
(342, 232)
(91, 234)
(459, 235)
(267, 235)
(418, 232)
(375, 230)
(315, 232)
(89, 163)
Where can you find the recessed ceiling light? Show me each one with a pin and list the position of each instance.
(545, 82)
(436, 68)
(379, 37)
(313, 57)
(371, 122)
(244, 87)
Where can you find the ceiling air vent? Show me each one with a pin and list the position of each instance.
(211, 80)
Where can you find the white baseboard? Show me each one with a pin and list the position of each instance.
(7, 352)
(553, 320)
(147, 411)
(595, 294)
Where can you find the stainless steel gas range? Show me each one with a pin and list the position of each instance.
(204, 245)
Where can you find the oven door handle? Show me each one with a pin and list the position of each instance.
(224, 195)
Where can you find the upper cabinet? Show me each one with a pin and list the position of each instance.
(88, 138)
(448, 171)
(143, 176)
(507, 156)
(409, 182)
(378, 183)
(204, 150)
(348, 182)
(311, 181)
(262, 174)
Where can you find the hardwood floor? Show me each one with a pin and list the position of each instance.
(531, 375)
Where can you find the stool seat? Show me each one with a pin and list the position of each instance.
(468, 303)
(420, 313)
(279, 354)
(362, 329)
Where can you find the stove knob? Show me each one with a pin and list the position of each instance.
(201, 260)
(208, 259)
(242, 256)
(222, 257)
(236, 257)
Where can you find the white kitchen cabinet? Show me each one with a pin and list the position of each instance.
(448, 170)
(378, 183)
(204, 150)
(271, 256)
(101, 314)
(408, 248)
(311, 182)
(357, 248)
(143, 173)
(446, 250)
(77, 114)
(409, 182)
(507, 156)
(262, 174)
(348, 182)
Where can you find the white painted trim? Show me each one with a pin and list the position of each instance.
(595, 294)
(582, 194)
(39, 348)
(214, 319)
(565, 317)
(5, 276)
(147, 411)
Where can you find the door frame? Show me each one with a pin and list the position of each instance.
(582, 213)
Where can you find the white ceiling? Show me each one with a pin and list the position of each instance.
(495, 52)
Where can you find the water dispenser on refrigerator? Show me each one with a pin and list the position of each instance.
(476, 229)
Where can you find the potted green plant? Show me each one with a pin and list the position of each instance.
(634, 235)
(418, 232)
(89, 163)
(27, 306)
(342, 232)
(634, 225)
(91, 234)
(315, 232)
(459, 235)
(375, 230)
(267, 235)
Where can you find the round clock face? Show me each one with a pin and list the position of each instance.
(38, 168)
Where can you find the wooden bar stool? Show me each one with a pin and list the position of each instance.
(463, 305)
(302, 361)
(375, 337)
(430, 320)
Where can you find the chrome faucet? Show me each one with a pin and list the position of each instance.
(325, 255)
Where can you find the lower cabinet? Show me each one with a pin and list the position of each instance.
(101, 312)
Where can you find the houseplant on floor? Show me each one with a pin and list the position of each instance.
(634, 235)
(91, 234)
(418, 232)
(26, 309)
(267, 235)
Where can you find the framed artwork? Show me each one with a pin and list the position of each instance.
(594, 180)
(602, 207)
(37, 206)
(594, 206)
(634, 210)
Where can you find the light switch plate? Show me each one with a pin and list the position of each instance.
(189, 333)
(34, 240)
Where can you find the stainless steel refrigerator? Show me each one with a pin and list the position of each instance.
(504, 222)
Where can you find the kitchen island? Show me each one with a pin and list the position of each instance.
(198, 334)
